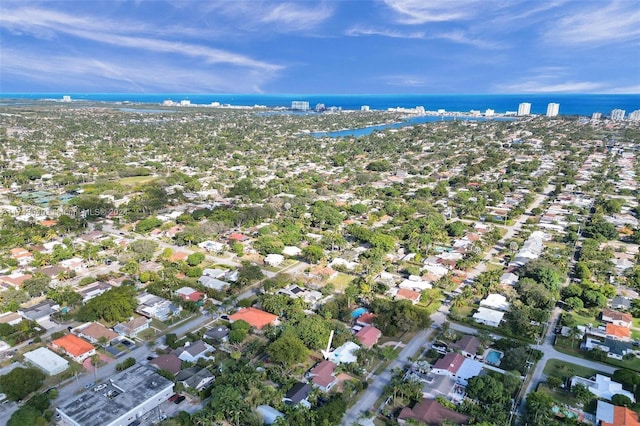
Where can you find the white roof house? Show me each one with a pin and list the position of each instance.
(602, 387)
(415, 285)
(274, 259)
(488, 317)
(345, 354)
(508, 278)
(47, 361)
(291, 251)
(213, 283)
(495, 301)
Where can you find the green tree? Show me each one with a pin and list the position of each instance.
(539, 409)
(621, 400)
(313, 253)
(288, 350)
(195, 259)
(36, 285)
(20, 382)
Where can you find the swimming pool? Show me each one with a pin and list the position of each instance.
(493, 357)
(358, 312)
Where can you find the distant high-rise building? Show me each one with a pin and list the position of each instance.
(596, 116)
(364, 108)
(489, 113)
(320, 107)
(524, 109)
(617, 114)
(635, 115)
(66, 98)
(553, 109)
(300, 105)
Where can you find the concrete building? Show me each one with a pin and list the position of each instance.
(126, 398)
(524, 109)
(47, 361)
(488, 317)
(553, 109)
(300, 105)
(617, 114)
(635, 115)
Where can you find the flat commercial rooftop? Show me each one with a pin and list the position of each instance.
(124, 392)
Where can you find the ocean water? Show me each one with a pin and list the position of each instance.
(570, 104)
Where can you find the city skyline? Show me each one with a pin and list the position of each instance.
(391, 46)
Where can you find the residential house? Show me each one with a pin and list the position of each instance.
(96, 333)
(488, 317)
(190, 294)
(213, 283)
(153, 306)
(11, 318)
(323, 376)
(269, 414)
(92, 290)
(295, 291)
(298, 395)
(618, 332)
(15, 279)
(617, 318)
(193, 351)
(615, 349)
(168, 362)
(406, 294)
(217, 334)
(621, 302)
(458, 367)
(509, 278)
(344, 354)
(467, 345)
(212, 246)
(291, 251)
(602, 387)
(22, 255)
(366, 319)
(436, 385)
(78, 349)
(41, 313)
(494, 301)
(75, 264)
(431, 412)
(323, 272)
(612, 415)
(368, 336)
(132, 327)
(214, 273)
(196, 378)
(255, 317)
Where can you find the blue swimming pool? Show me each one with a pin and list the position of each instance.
(493, 357)
(356, 313)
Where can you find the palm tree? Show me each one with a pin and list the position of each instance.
(95, 360)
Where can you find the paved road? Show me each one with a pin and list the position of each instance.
(375, 389)
(71, 388)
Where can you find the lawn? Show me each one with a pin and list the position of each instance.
(136, 180)
(341, 281)
(563, 345)
(583, 319)
(564, 370)
(636, 323)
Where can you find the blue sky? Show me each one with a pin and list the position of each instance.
(355, 46)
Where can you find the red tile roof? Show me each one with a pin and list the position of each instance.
(255, 317)
(618, 331)
(450, 362)
(622, 416)
(431, 412)
(73, 345)
(368, 335)
(405, 293)
(323, 373)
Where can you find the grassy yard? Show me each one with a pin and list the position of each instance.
(636, 323)
(135, 180)
(563, 345)
(564, 370)
(583, 319)
(341, 281)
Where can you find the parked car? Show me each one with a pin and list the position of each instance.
(179, 399)
(173, 397)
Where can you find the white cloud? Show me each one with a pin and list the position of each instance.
(365, 31)
(404, 80)
(616, 22)
(48, 24)
(124, 73)
(296, 17)
(542, 87)
(422, 11)
(277, 16)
